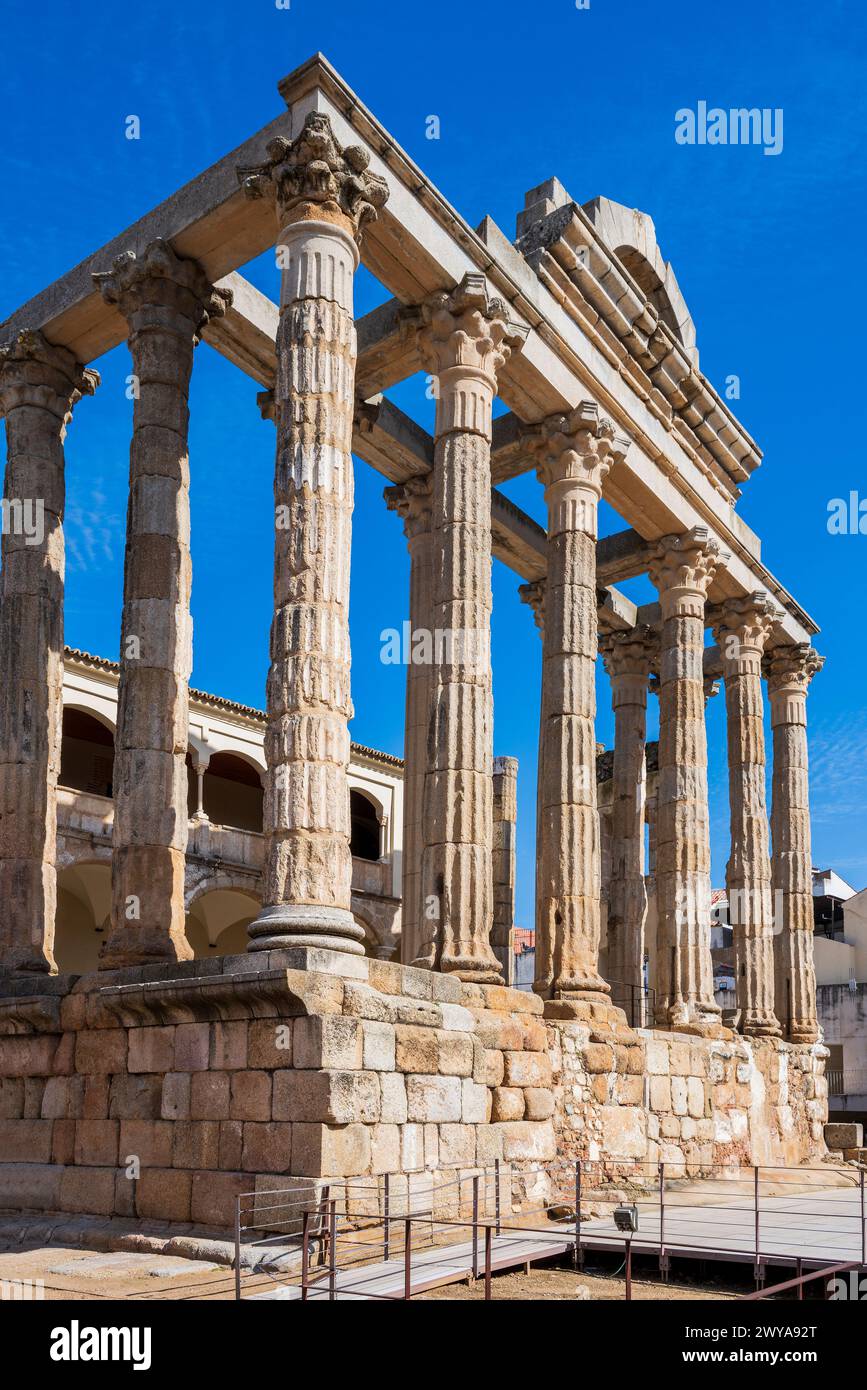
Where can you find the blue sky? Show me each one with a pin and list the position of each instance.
(762, 247)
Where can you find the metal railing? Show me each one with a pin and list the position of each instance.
(338, 1237)
(846, 1083)
(638, 1002)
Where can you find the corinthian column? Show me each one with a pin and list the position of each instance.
(465, 341)
(682, 570)
(322, 196)
(533, 594)
(166, 302)
(742, 627)
(576, 453)
(628, 656)
(39, 386)
(790, 670)
(412, 501)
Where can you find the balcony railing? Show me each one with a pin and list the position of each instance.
(846, 1083)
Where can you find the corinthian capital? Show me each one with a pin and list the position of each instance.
(159, 277)
(467, 329)
(790, 668)
(683, 568)
(579, 447)
(36, 372)
(533, 594)
(742, 627)
(313, 174)
(412, 501)
(629, 652)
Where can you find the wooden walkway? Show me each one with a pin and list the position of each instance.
(444, 1264)
(819, 1227)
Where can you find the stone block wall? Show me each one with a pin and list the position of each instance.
(163, 1092)
(696, 1103)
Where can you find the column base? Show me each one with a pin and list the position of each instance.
(474, 972)
(760, 1026)
(700, 1020)
(805, 1033)
(587, 1008)
(305, 924)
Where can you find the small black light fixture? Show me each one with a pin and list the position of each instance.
(626, 1219)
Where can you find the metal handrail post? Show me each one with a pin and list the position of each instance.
(863, 1221)
(386, 1212)
(662, 1220)
(497, 1192)
(407, 1259)
(629, 1271)
(305, 1255)
(475, 1225)
(238, 1247)
(577, 1251)
(756, 1192)
(332, 1249)
(488, 1261)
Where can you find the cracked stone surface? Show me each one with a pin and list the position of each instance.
(465, 340)
(166, 302)
(682, 570)
(790, 670)
(40, 385)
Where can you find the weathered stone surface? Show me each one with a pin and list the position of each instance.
(742, 628)
(682, 569)
(576, 452)
(790, 670)
(628, 659)
(166, 302)
(308, 864)
(435, 1099)
(527, 1069)
(327, 1150)
(40, 384)
(328, 1042)
(465, 340)
(334, 1097)
(507, 1103)
(844, 1135)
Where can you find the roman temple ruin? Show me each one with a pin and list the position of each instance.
(318, 1051)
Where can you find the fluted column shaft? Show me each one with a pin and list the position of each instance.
(576, 453)
(742, 628)
(533, 594)
(39, 386)
(166, 303)
(322, 195)
(505, 834)
(466, 339)
(628, 656)
(412, 501)
(790, 670)
(682, 570)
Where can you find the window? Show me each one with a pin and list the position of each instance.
(364, 822)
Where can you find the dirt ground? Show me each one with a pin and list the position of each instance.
(558, 1285)
(85, 1275)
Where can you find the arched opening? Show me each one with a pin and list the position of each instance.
(83, 911)
(649, 282)
(232, 792)
(217, 922)
(86, 754)
(364, 827)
